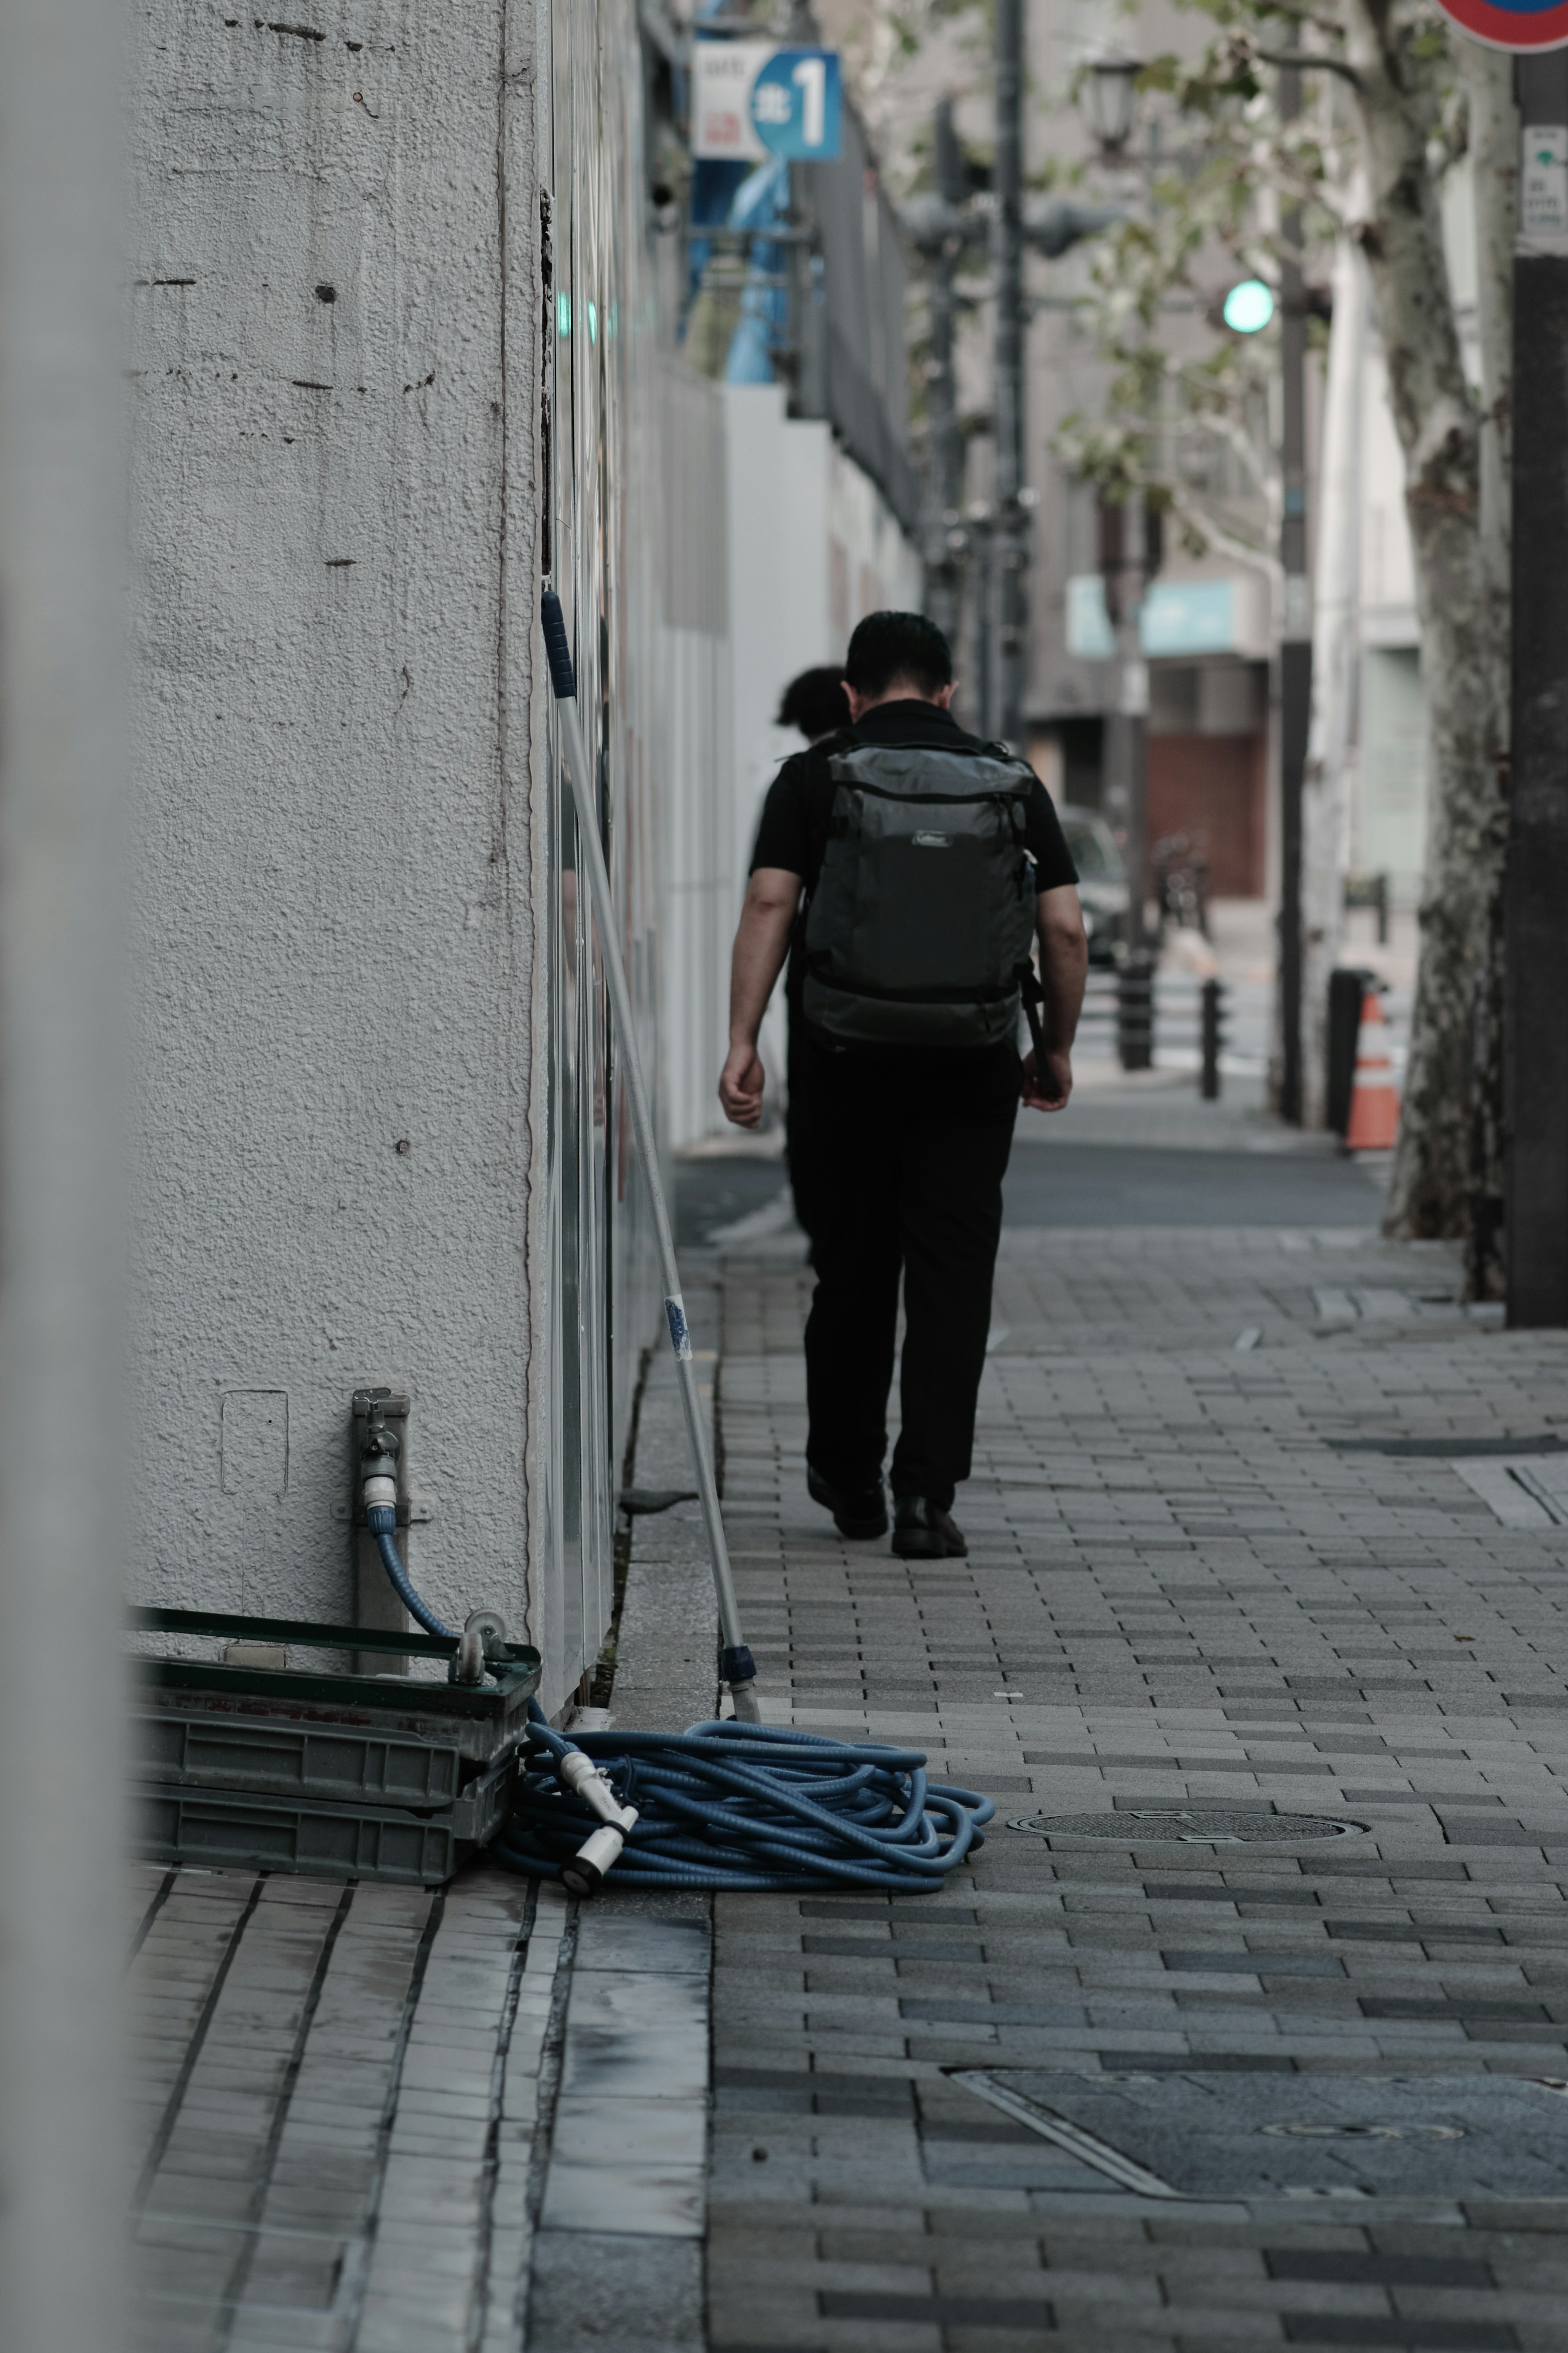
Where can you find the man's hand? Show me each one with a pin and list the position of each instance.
(1051, 1092)
(762, 942)
(1064, 967)
(741, 1086)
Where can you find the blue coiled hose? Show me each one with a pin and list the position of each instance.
(731, 1805)
(746, 1806)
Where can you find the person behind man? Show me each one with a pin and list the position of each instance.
(816, 703)
(932, 864)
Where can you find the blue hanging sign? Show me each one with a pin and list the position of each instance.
(797, 105)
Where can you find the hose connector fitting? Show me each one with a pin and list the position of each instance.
(586, 1874)
(585, 1781)
(378, 1462)
(601, 1850)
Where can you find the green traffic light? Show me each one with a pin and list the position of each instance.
(1249, 306)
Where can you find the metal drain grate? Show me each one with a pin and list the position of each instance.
(1190, 1826)
(1302, 2137)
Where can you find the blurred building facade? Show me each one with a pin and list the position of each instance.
(789, 301)
(1211, 625)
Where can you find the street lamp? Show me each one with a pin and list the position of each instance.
(1111, 98)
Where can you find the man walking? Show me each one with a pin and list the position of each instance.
(816, 705)
(932, 864)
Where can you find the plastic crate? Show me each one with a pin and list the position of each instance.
(247, 1831)
(207, 1748)
(319, 1769)
(478, 1722)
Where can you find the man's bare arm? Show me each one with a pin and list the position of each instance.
(1064, 968)
(762, 943)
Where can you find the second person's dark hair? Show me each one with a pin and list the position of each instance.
(814, 704)
(887, 647)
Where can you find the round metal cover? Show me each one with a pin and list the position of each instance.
(1190, 1825)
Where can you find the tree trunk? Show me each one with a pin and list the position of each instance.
(1464, 652)
(1495, 163)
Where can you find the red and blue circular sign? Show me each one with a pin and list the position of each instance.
(1517, 25)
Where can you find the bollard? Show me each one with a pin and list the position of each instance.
(1135, 1011)
(1209, 1083)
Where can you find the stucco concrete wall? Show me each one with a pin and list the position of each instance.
(332, 888)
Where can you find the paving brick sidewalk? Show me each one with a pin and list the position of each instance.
(1196, 1583)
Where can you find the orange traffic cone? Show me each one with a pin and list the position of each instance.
(1374, 1098)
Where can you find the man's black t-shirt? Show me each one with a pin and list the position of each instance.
(793, 829)
(793, 836)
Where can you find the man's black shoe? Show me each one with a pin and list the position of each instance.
(859, 1515)
(923, 1531)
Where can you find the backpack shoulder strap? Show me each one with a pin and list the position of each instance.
(843, 739)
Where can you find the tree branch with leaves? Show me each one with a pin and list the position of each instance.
(1398, 98)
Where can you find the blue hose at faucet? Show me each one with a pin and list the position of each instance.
(382, 1521)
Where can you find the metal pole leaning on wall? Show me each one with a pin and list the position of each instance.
(736, 1668)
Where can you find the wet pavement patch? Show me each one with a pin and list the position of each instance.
(1209, 2134)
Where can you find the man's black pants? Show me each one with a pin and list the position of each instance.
(903, 1178)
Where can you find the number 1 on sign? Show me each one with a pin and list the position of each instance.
(811, 77)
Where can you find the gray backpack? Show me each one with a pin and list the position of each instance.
(922, 921)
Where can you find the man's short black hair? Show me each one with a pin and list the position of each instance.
(887, 647)
(815, 703)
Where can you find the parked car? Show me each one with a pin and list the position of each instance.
(1101, 881)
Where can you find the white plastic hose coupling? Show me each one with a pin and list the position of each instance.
(595, 1858)
(380, 1491)
(584, 1780)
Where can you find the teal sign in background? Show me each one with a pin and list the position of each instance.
(1179, 616)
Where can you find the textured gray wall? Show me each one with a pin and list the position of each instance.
(335, 577)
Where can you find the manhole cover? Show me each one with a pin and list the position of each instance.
(1193, 1825)
(1225, 2136)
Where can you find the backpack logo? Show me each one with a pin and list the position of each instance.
(934, 841)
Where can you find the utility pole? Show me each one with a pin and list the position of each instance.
(1296, 633)
(1130, 550)
(1011, 539)
(1535, 890)
(944, 537)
